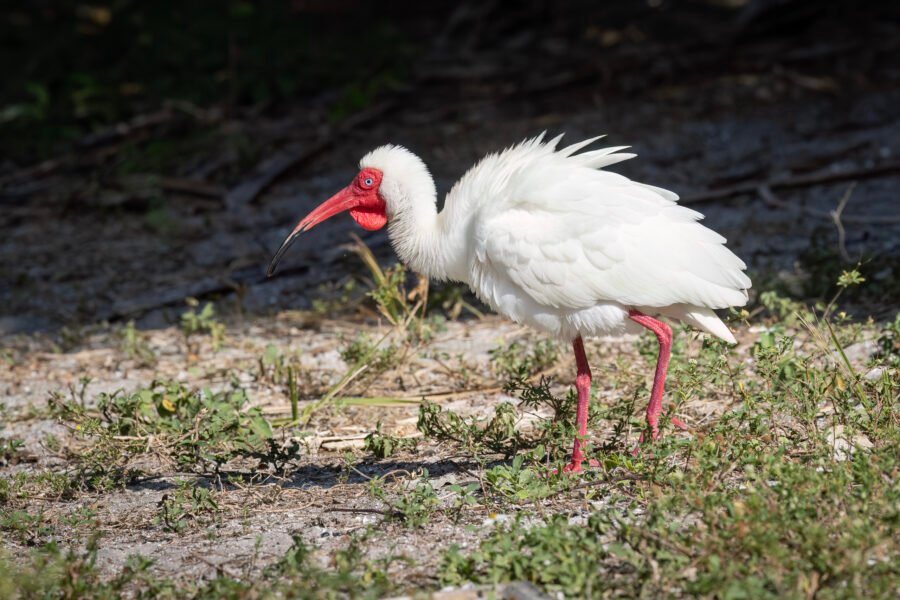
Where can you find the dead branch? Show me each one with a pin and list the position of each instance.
(765, 192)
(274, 167)
(798, 181)
(193, 187)
(100, 141)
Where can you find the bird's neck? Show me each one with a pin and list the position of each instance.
(427, 242)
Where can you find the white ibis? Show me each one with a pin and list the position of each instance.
(547, 238)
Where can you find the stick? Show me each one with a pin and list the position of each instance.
(275, 167)
(97, 141)
(772, 200)
(797, 181)
(836, 217)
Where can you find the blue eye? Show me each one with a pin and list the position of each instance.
(368, 181)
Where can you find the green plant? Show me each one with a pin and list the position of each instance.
(452, 299)
(197, 430)
(499, 434)
(383, 446)
(187, 504)
(81, 516)
(333, 299)
(10, 450)
(134, 344)
(517, 482)
(555, 555)
(514, 362)
(376, 358)
(48, 572)
(399, 307)
(889, 343)
(414, 507)
(791, 492)
(272, 365)
(8, 357)
(203, 321)
(24, 526)
(275, 368)
(786, 310)
(17, 488)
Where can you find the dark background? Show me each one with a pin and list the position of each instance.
(151, 151)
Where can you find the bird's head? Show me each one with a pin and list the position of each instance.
(389, 180)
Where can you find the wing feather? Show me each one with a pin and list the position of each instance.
(569, 235)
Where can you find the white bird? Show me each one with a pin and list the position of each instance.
(548, 238)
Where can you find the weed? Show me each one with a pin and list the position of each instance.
(452, 299)
(556, 432)
(81, 516)
(293, 395)
(555, 555)
(515, 362)
(383, 446)
(399, 307)
(414, 507)
(8, 357)
(197, 430)
(350, 575)
(499, 435)
(334, 300)
(275, 368)
(10, 451)
(464, 373)
(134, 344)
(24, 526)
(187, 505)
(272, 365)
(202, 322)
(377, 359)
(51, 573)
(517, 482)
(889, 344)
(787, 311)
(76, 401)
(275, 456)
(464, 496)
(21, 486)
(791, 493)
(48, 572)
(71, 336)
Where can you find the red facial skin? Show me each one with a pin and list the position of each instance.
(370, 210)
(361, 198)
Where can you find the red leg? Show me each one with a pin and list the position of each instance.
(583, 385)
(664, 336)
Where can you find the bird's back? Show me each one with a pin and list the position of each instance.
(565, 246)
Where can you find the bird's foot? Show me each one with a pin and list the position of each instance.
(575, 466)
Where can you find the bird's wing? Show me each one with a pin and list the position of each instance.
(569, 235)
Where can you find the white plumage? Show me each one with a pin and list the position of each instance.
(548, 238)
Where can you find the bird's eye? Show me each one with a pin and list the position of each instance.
(368, 181)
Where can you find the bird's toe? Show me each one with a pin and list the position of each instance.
(576, 467)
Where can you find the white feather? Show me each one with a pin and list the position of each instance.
(546, 238)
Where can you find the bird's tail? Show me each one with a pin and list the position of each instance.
(706, 320)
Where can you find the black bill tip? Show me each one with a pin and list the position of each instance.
(284, 248)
